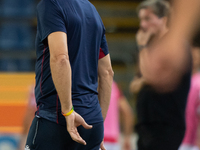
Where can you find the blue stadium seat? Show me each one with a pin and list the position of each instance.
(8, 65)
(13, 65)
(16, 36)
(17, 8)
(24, 65)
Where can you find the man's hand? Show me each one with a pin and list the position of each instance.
(136, 85)
(143, 37)
(73, 121)
(102, 146)
(127, 143)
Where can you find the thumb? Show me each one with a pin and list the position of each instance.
(85, 125)
(102, 147)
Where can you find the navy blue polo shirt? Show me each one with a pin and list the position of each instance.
(86, 43)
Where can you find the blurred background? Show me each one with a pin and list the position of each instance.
(18, 27)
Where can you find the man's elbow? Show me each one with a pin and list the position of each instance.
(108, 73)
(61, 59)
(111, 73)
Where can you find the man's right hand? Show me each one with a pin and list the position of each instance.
(143, 37)
(136, 85)
(73, 121)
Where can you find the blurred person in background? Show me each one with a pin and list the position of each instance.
(160, 114)
(28, 118)
(72, 54)
(167, 59)
(193, 103)
(154, 17)
(118, 106)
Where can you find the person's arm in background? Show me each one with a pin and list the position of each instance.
(61, 75)
(105, 77)
(26, 125)
(136, 84)
(28, 118)
(198, 114)
(185, 18)
(163, 64)
(142, 39)
(127, 121)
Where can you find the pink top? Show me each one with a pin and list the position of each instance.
(111, 123)
(192, 111)
(31, 98)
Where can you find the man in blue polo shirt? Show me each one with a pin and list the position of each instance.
(72, 58)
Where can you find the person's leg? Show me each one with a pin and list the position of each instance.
(195, 148)
(188, 147)
(169, 138)
(140, 144)
(32, 132)
(93, 137)
(112, 146)
(160, 138)
(47, 135)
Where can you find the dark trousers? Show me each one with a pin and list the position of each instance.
(159, 138)
(47, 135)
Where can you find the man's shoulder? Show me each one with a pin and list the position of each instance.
(46, 4)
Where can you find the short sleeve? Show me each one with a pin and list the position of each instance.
(103, 48)
(50, 18)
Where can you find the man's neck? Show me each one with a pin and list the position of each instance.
(163, 31)
(159, 35)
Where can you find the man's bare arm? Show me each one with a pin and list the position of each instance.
(105, 74)
(136, 84)
(60, 68)
(127, 121)
(61, 74)
(163, 65)
(185, 18)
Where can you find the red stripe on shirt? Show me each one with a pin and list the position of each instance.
(42, 70)
(101, 54)
(38, 110)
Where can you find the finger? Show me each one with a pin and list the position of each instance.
(76, 137)
(140, 31)
(80, 141)
(102, 147)
(85, 125)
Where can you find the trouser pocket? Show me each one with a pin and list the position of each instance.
(32, 135)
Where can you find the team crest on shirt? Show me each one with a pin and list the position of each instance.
(27, 147)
